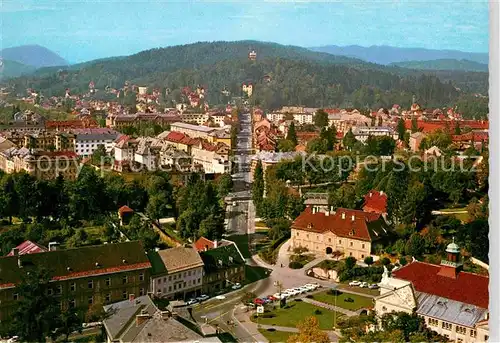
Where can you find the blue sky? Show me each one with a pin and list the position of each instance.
(81, 30)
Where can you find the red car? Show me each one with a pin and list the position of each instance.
(258, 301)
(272, 298)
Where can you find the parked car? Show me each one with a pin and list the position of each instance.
(235, 203)
(364, 285)
(202, 297)
(191, 301)
(312, 286)
(236, 286)
(272, 298)
(277, 295)
(354, 283)
(373, 286)
(300, 290)
(258, 301)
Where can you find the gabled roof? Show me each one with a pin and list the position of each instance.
(125, 209)
(221, 258)
(354, 224)
(174, 260)
(375, 201)
(203, 244)
(468, 288)
(28, 247)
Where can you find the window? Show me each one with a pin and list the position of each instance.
(164, 279)
(446, 326)
(175, 287)
(90, 300)
(184, 284)
(486, 338)
(473, 333)
(141, 292)
(72, 303)
(72, 287)
(362, 256)
(460, 330)
(185, 274)
(340, 241)
(108, 281)
(91, 284)
(59, 289)
(170, 278)
(350, 254)
(307, 235)
(350, 243)
(170, 288)
(125, 279)
(433, 322)
(329, 240)
(124, 295)
(15, 296)
(297, 233)
(189, 273)
(159, 281)
(317, 238)
(199, 280)
(50, 291)
(459, 340)
(108, 297)
(141, 277)
(362, 246)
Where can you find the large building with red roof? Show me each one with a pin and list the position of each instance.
(375, 202)
(351, 232)
(452, 302)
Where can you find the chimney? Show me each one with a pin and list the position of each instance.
(371, 194)
(216, 243)
(53, 246)
(343, 215)
(15, 252)
(353, 217)
(131, 298)
(314, 210)
(206, 247)
(381, 192)
(327, 213)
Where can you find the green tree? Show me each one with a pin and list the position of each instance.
(344, 196)
(349, 140)
(458, 131)
(321, 119)
(309, 332)
(37, 313)
(285, 145)
(258, 184)
(415, 246)
(224, 185)
(401, 129)
(8, 197)
(69, 322)
(292, 134)
(317, 145)
(414, 125)
(350, 262)
(368, 260)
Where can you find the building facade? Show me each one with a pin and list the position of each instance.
(224, 266)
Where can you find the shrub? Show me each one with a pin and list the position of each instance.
(368, 260)
(350, 262)
(385, 261)
(317, 311)
(300, 250)
(403, 261)
(309, 296)
(295, 265)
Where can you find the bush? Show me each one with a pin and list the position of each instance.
(295, 265)
(317, 311)
(309, 296)
(368, 260)
(350, 262)
(403, 261)
(385, 261)
(300, 250)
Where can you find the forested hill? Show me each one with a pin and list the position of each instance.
(298, 76)
(444, 64)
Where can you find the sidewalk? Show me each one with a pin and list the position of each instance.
(243, 320)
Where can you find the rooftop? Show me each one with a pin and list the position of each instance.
(28, 247)
(187, 126)
(222, 258)
(174, 260)
(375, 201)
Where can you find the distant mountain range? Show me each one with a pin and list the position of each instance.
(444, 64)
(389, 54)
(25, 59)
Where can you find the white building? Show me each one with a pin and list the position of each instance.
(362, 133)
(193, 131)
(213, 158)
(452, 303)
(88, 140)
(177, 273)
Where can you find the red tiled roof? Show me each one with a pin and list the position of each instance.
(341, 226)
(103, 271)
(477, 136)
(28, 247)
(430, 126)
(375, 201)
(125, 209)
(468, 288)
(203, 243)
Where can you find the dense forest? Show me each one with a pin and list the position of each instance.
(281, 75)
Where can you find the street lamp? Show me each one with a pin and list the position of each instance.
(335, 295)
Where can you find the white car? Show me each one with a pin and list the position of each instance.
(373, 286)
(202, 297)
(191, 301)
(364, 285)
(311, 286)
(236, 286)
(301, 289)
(354, 283)
(292, 291)
(277, 295)
(234, 203)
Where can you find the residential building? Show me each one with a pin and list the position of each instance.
(139, 320)
(271, 158)
(171, 157)
(375, 202)
(5, 144)
(344, 120)
(224, 266)
(50, 140)
(452, 302)
(317, 200)
(198, 118)
(81, 276)
(204, 244)
(362, 133)
(247, 89)
(27, 247)
(213, 158)
(27, 121)
(88, 140)
(415, 140)
(427, 126)
(120, 121)
(193, 131)
(177, 273)
(352, 232)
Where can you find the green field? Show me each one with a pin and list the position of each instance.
(275, 336)
(368, 291)
(295, 313)
(339, 300)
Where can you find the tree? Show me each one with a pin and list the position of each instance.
(36, 315)
(349, 140)
(350, 262)
(415, 246)
(292, 135)
(344, 196)
(285, 145)
(309, 332)
(69, 322)
(368, 260)
(224, 185)
(414, 125)
(329, 134)
(401, 129)
(258, 184)
(317, 145)
(321, 119)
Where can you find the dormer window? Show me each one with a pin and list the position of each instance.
(309, 226)
(351, 233)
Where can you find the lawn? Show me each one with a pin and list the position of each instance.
(276, 336)
(359, 301)
(356, 289)
(296, 312)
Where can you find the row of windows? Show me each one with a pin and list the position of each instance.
(351, 243)
(72, 302)
(448, 326)
(179, 286)
(179, 276)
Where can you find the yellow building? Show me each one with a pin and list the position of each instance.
(350, 232)
(247, 88)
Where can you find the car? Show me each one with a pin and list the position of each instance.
(284, 295)
(364, 285)
(235, 203)
(202, 297)
(311, 286)
(266, 300)
(277, 295)
(191, 301)
(354, 283)
(292, 291)
(236, 286)
(305, 289)
(300, 290)
(258, 301)
(272, 298)
(220, 297)
(373, 286)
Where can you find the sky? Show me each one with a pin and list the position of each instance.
(82, 30)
